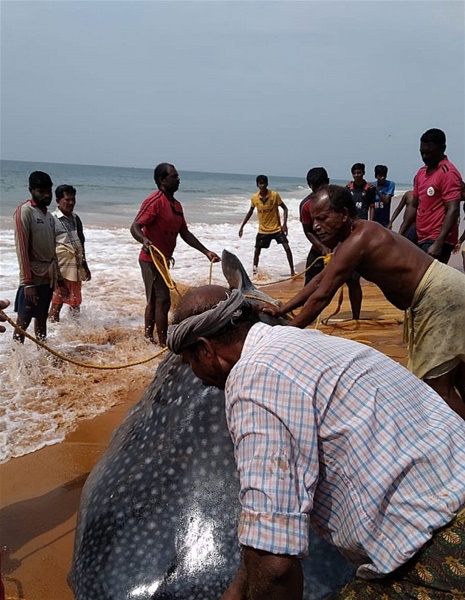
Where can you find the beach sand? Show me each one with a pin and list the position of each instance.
(40, 491)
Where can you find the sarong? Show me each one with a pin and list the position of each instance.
(436, 336)
(73, 299)
(436, 572)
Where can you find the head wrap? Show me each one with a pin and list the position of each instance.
(207, 323)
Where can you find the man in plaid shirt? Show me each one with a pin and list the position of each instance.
(331, 437)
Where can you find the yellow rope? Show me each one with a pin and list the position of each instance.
(326, 259)
(338, 307)
(74, 361)
(161, 264)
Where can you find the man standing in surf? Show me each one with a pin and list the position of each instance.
(39, 273)
(269, 224)
(159, 221)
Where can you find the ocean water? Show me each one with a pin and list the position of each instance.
(41, 398)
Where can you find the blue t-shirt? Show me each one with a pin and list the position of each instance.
(382, 211)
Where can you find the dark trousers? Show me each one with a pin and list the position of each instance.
(446, 250)
(317, 267)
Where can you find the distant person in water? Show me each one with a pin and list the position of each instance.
(385, 190)
(437, 193)
(267, 203)
(158, 223)
(3, 304)
(433, 293)
(39, 273)
(69, 239)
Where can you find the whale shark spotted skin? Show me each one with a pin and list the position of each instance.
(158, 513)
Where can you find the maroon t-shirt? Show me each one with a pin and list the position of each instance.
(161, 221)
(434, 190)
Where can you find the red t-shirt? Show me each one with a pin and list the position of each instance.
(161, 222)
(305, 215)
(434, 190)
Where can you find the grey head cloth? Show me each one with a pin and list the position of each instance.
(186, 332)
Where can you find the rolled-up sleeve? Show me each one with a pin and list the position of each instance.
(277, 475)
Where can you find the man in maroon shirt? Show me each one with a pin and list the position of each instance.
(436, 198)
(158, 223)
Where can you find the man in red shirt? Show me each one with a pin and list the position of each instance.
(159, 221)
(436, 196)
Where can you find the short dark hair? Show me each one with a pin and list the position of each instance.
(358, 167)
(39, 179)
(381, 170)
(340, 198)
(160, 172)
(434, 136)
(261, 178)
(317, 176)
(61, 190)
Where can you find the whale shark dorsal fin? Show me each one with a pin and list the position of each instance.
(235, 273)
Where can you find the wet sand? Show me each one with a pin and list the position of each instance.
(40, 492)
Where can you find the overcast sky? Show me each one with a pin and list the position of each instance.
(241, 87)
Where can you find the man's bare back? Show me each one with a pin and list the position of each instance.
(383, 257)
(387, 259)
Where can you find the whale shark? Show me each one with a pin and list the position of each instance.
(158, 513)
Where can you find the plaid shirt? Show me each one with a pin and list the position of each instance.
(332, 433)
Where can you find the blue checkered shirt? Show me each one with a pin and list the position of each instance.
(332, 434)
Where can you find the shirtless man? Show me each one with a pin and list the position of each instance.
(407, 227)
(408, 277)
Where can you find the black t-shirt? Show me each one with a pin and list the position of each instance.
(364, 196)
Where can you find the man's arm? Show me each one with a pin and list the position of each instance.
(22, 229)
(398, 210)
(298, 300)
(285, 215)
(80, 232)
(410, 215)
(195, 243)
(450, 219)
(247, 217)
(340, 268)
(265, 576)
(138, 234)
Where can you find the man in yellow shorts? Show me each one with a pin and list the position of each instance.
(269, 224)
